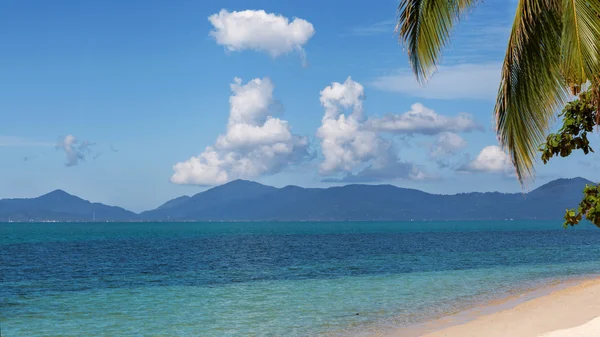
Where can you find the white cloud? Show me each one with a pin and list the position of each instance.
(447, 144)
(423, 120)
(75, 150)
(356, 147)
(273, 130)
(337, 97)
(261, 31)
(344, 141)
(254, 144)
(351, 149)
(250, 103)
(462, 81)
(491, 159)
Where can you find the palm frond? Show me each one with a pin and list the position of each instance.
(580, 41)
(424, 27)
(531, 89)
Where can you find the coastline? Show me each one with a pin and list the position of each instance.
(569, 308)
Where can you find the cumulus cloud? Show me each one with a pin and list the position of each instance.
(491, 159)
(462, 81)
(447, 144)
(349, 147)
(75, 150)
(261, 31)
(344, 141)
(255, 143)
(420, 119)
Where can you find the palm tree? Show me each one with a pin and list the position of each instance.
(553, 51)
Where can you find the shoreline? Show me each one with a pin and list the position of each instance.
(566, 308)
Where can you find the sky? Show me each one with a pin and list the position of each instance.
(133, 103)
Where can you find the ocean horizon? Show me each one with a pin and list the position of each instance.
(272, 278)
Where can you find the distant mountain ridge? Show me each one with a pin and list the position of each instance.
(62, 206)
(252, 201)
(242, 200)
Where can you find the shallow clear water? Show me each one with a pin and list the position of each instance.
(270, 279)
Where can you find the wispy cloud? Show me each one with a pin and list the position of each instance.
(447, 144)
(397, 170)
(12, 141)
(33, 157)
(482, 35)
(420, 119)
(381, 27)
(463, 81)
(75, 149)
(470, 65)
(481, 42)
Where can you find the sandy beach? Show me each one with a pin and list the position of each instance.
(567, 310)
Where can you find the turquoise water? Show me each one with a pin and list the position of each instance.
(270, 279)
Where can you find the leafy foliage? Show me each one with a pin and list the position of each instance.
(589, 207)
(579, 118)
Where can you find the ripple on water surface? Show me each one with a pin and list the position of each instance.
(292, 279)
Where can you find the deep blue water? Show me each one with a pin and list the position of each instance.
(274, 279)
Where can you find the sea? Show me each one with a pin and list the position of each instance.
(272, 278)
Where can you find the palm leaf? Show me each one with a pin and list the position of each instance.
(531, 89)
(580, 41)
(424, 27)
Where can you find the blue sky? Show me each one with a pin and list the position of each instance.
(104, 99)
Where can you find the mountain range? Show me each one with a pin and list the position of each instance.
(242, 200)
(62, 206)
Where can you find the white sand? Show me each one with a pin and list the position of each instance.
(589, 329)
(573, 311)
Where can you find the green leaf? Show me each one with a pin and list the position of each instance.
(580, 36)
(531, 88)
